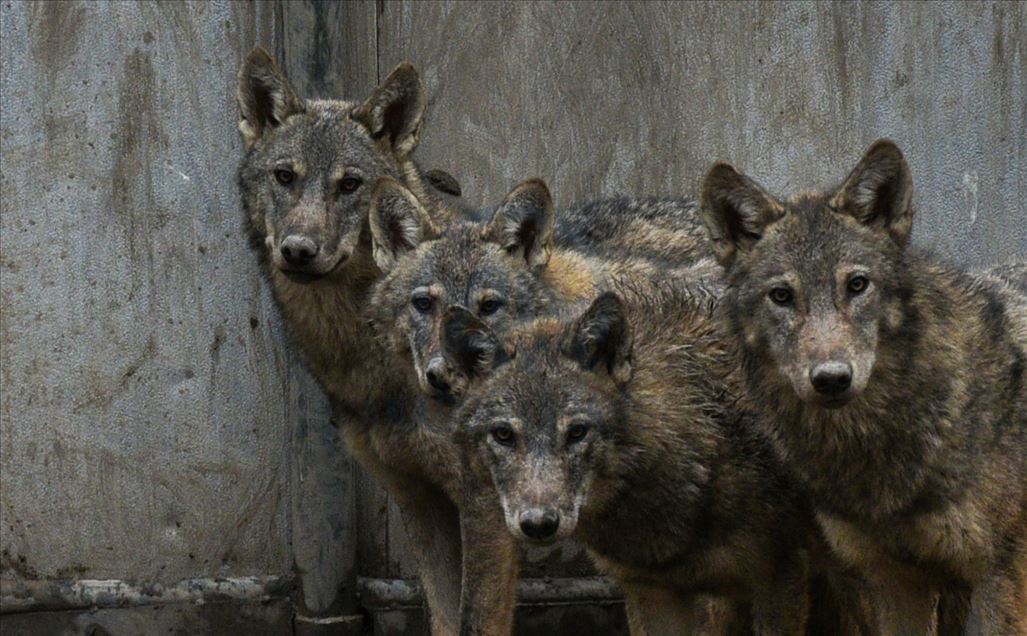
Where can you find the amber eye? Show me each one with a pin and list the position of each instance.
(422, 304)
(503, 434)
(284, 176)
(349, 184)
(858, 284)
(576, 433)
(781, 295)
(489, 306)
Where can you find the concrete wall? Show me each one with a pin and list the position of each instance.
(145, 390)
(154, 424)
(641, 97)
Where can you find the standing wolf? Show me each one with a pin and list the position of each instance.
(620, 427)
(306, 182)
(894, 386)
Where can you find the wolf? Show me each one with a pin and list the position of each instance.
(523, 260)
(619, 426)
(892, 384)
(306, 180)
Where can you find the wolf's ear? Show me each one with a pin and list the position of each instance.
(878, 192)
(397, 222)
(736, 211)
(468, 344)
(395, 109)
(600, 340)
(443, 182)
(523, 223)
(266, 99)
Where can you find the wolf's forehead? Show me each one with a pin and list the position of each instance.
(464, 266)
(809, 230)
(813, 243)
(328, 138)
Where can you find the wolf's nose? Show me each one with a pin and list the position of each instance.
(831, 378)
(436, 375)
(539, 524)
(298, 250)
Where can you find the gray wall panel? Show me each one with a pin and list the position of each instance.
(146, 393)
(641, 97)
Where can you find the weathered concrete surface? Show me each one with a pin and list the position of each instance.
(641, 97)
(147, 398)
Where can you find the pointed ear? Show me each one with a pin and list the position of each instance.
(397, 222)
(443, 182)
(736, 211)
(266, 99)
(523, 223)
(395, 109)
(469, 345)
(600, 340)
(879, 191)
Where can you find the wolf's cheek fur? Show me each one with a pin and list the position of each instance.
(774, 331)
(419, 339)
(864, 316)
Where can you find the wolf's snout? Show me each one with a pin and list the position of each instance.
(298, 250)
(831, 378)
(436, 375)
(539, 524)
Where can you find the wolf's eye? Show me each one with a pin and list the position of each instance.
(781, 295)
(503, 434)
(349, 184)
(284, 176)
(576, 433)
(858, 284)
(489, 307)
(422, 304)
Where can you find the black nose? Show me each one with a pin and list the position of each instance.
(539, 524)
(831, 378)
(298, 250)
(436, 375)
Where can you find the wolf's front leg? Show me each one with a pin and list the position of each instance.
(903, 606)
(780, 604)
(490, 566)
(656, 611)
(432, 524)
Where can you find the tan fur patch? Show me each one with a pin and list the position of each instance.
(570, 276)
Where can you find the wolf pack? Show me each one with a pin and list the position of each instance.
(757, 414)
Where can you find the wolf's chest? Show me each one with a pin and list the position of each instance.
(944, 545)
